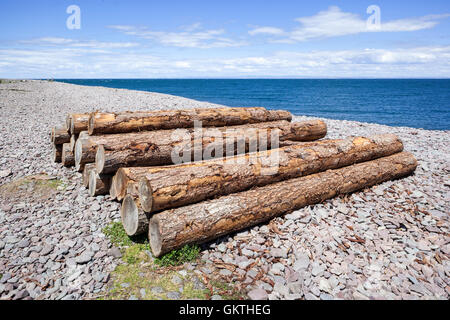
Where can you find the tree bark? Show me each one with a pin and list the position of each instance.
(60, 136)
(125, 122)
(67, 156)
(197, 223)
(77, 122)
(156, 148)
(99, 184)
(161, 188)
(133, 175)
(176, 186)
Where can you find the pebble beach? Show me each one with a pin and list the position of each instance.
(390, 241)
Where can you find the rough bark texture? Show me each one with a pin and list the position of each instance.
(133, 175)
(67, 156)
(77, 122)
(100, 123)
(56, 152)
(156, 148)
(60, 136)
(197, 223)
(86, 171)
(176, 186)
(99, 184)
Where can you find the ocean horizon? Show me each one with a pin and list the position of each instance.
(417, 103)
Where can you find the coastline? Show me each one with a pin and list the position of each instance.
(385, 266)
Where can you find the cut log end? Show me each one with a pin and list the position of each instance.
(91, 124)
(98, 184)
(100, 159)
(67, 157)
(57, 153)
(78, 155)
(86, 171)
(92, 182)
(145, 195)
(113, 189)
(134, 219)
(155, 236)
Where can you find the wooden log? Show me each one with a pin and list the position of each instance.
(80, 142)
(197, 223)
(60, 136)
(67, 156)
(156, 148)
(125, 122)
(56, 152)
(135, 222)
(177, 186)
(99, 184)
(161, 188)
(77, 122)
(86, 171)
(132, 175)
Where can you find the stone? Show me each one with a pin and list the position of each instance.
(302, 262)
(46, 250)
(5, 173)
(157, 290)
(225, 272)
(324, 285)
(173, 295)
(216, 297)
(115, 252)
(85, 257)
(176, 280)
(258, 294)
(278, 253)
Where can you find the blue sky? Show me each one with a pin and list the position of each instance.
(225, 39)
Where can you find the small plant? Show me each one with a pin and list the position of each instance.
(180, 256)
(119, 237)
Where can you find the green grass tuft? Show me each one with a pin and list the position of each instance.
(177, 257)
(119, 237)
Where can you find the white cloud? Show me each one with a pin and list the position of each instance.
(266, 30)
(54, 41)
(190, 37)
(334, 23)
(87, 62)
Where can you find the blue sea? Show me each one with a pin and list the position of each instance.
(414, 103)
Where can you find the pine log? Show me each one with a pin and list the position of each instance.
(132, 175)
(161, 188)
(77, 122)
(86, 171)
(67, 156)
(201, 222)
(60, 136)
(156, 148)
(99, 184)
(125, 122)
(173, 187)
(56, 152)
(80, 142)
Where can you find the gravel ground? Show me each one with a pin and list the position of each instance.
(386, 242)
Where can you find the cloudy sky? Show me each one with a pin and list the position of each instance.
(225, 39)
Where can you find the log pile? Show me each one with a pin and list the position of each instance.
(189, 176)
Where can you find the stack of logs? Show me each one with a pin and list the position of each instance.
(184, 184)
